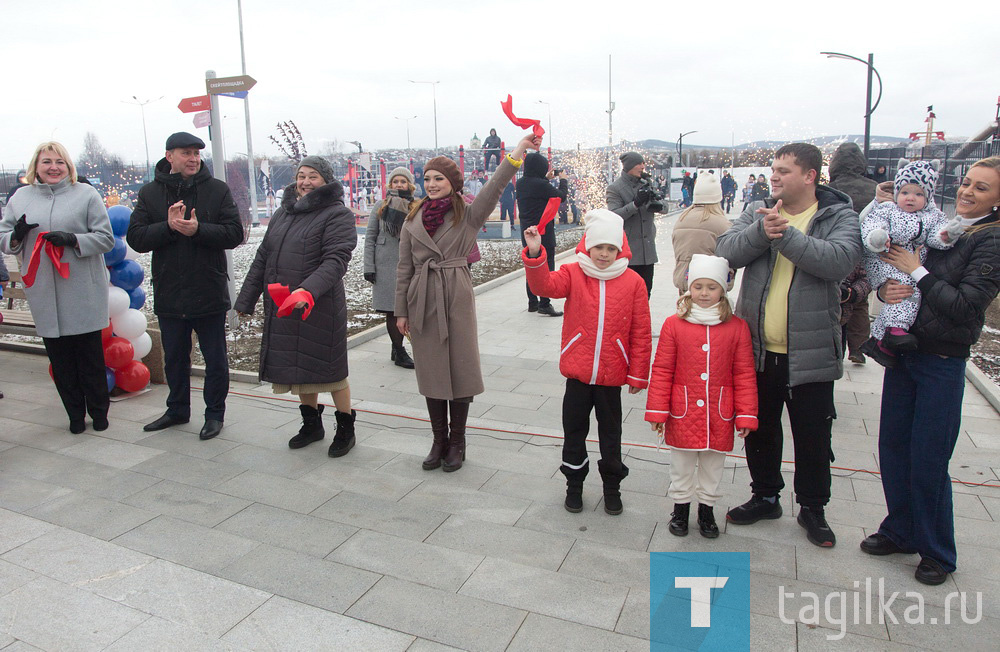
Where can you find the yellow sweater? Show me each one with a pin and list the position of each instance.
(776, 307)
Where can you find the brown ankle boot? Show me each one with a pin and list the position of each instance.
(438, 411)
(456, 443)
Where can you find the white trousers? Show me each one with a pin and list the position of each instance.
(695, 474)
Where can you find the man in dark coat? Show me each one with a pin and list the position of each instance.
(188, 219)
(533, 193)
(491, 148)
(630, 197)
(847, 174)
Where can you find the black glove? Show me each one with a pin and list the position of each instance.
(845, 294)
(643, 196)
(370, 277)
(21, 228)
(61, 238)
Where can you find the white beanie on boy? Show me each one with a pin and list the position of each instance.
(601, 226)
(710, 267)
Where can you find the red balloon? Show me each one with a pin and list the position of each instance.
(118, 352)
(106, 334)
(132, 377)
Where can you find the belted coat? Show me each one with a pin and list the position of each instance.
(434, 291)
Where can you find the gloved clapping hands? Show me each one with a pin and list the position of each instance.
(61, 238)
(21, 229)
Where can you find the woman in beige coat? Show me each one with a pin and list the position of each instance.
(435, 303)
(699, 227)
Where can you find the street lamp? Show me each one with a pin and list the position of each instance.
(549, 107)
(357, 144)
(680, 146)
(434, 92)
(869, 109)
(142, 108)
(407, 120)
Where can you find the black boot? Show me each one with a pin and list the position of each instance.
(456, 442)
(401, 357)
(679, 519)
(437, 410)
(613, 498)
(312, 427)
(343, 440)
(574, 496)
(706, 522)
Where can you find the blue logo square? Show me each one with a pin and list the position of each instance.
(697, 601)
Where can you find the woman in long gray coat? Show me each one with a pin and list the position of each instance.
(382, 255)
(59, 230)
(306, 250)
(435, 302)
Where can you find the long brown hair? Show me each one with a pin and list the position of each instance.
(992, 162)
(684, 307)
(457, 206)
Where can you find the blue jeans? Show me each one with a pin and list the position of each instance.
(918, 427)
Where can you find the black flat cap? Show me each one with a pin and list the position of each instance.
(184, 139)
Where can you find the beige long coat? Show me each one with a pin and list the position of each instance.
(695, 233)
(434, 290)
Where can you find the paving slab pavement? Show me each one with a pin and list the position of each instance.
(126, 540)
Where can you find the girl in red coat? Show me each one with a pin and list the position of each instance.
(702, 388)
(605, 344)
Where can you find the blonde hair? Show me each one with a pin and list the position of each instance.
(457, 206)
(992, 162)
(58, 150)
(685, 302)
(385, 203)
(707, 210)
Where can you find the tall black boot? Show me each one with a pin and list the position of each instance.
(456, 441)
(343, 440)
(401, 357)
(437, 410)
(312, 427)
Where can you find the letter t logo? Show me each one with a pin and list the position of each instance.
(701, 596)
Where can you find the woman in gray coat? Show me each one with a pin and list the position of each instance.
(59, 230)
(306, 250)
(382, 255)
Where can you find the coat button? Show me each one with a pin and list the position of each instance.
(704, 347)
(704, 376)
(701, 403)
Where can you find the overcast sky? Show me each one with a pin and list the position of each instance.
(732, 71)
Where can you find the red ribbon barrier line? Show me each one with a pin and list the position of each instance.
(551, 208)
(52, 251)
(523, 123)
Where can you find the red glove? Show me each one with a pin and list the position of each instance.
(523, 123)
(551, 208)
(289, 304)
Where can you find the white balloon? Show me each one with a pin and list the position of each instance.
(129, 324)
(118, 301)
(130, 253)
(142, 345)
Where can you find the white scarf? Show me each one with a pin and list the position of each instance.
(614, 270)
(705, 316)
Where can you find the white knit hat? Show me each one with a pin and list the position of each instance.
(707, 189)
(601, 226)
(710, 267)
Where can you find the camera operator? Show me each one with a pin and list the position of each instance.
(632, 197)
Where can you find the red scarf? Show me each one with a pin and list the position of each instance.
(53, 252)
(434, 211)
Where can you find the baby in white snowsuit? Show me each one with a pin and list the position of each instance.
(910, 221)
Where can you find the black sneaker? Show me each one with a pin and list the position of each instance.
(817, 531)
(753, 510)
(875, 352)
(904, 342)
(532, 307)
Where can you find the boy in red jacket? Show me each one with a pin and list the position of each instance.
(605, 344)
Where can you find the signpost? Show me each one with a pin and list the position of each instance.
(221, 85)
(194, 104)
(203, 119)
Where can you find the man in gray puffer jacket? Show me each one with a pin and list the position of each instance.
(796, 247)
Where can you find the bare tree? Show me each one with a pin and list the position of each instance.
(291, 143)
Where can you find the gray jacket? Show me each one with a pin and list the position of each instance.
(74, 305)
(381, 259)
(823, 257)
(640, 225)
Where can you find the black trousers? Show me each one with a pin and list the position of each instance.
(80, 375)
(811, 413)
(176, 336)
(495, 154)
(549, 242)
(578, 401)
(507, 212)
(646, 272)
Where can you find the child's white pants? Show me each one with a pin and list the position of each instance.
(695, 474)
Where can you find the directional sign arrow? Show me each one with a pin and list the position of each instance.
(240, 95)
(221, 85)
(194, 104)
(203, 119)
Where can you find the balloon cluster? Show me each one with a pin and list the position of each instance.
(125, 339)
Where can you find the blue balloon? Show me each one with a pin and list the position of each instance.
(109, 375)
(119, 216)
(127, 275)
(117, 254)
(137, 297)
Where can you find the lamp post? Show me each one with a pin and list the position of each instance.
(407, 120)
(142, 108)
(434, 94)
(869, 109)
(356, 144)
(680, 145)
(549, 107)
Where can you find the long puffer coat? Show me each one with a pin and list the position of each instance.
(606, 333)
(308, 245)
(703, 384)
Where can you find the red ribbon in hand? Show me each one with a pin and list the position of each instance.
(295, 297)
(551, 208)
(53, 252)
(523, 123)
(278, 292)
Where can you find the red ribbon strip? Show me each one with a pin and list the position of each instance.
(278, 292)
(551, 208)
(523, 123)
(295, 297)
(53, 252)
